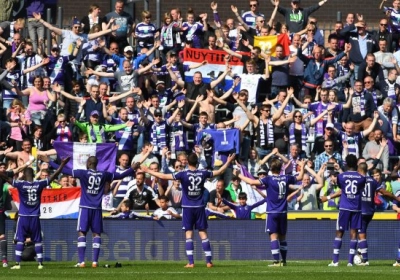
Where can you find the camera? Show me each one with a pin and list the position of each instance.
(330, 166)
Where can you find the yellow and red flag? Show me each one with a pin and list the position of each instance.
(267, 44)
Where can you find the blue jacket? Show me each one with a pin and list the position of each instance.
(352, 37)
(313, 76)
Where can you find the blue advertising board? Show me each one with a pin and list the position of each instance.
(125, 240)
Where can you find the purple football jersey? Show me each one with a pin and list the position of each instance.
(277, 191)
(92, 186)
(352, 184)
(367, 196)
(318, 107)
(30, 194)
(192, 186)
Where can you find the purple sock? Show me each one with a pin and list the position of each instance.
(337, 244)
(18, 251)
(283, 249)
(39, 252)
(352, 250)
(96, 248)
(207, 249)
(275, 249)
(398, 254)
(363, 245)
(189, 250)
(3, 249)
(81, 248)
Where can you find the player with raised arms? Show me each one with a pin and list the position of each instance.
(28, 224)
(94, 183)
(367, 209)
(351, 184)
(277, 187)
(193, 207)
(3, 205)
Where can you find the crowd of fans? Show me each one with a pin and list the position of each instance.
(332, 95)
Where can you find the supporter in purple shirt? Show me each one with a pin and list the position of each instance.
(28, 225)
(277, 187)
(242, 210)
(194, 216)
(56, 67)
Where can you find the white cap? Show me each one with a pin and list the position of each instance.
(128, 49)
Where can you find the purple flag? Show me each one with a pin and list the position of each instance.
(245, 172)
(80, 152)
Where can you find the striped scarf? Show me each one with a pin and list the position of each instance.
(93, 133)
(167, 35)
(159, 136)
(266, 131)
(64, 134)
(292, 138)
(342, 71)
(359, 101)
(320, 124)
(391, 91)
(329, 82)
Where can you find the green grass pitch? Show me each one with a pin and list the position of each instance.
(232, 270)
